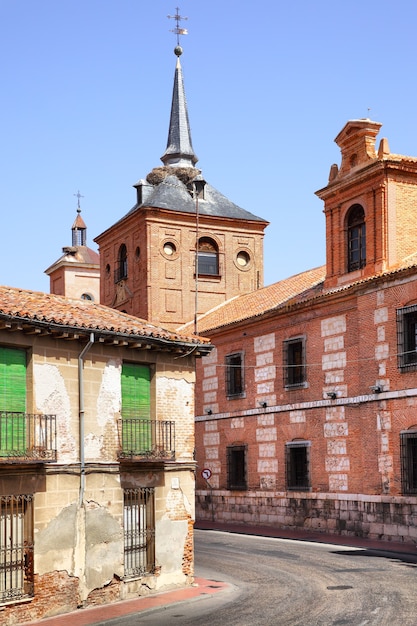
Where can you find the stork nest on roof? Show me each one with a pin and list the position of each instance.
(184, 174)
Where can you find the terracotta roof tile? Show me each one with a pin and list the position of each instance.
(262, 300)
(52, 310)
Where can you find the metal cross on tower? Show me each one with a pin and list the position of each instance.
(78, 195)
(177, 30)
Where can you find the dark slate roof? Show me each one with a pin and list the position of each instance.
(179, 150)
(173, 195)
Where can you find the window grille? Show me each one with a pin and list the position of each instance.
(236, 468)
(408, 446)
(16, 547)
(407, 337)
(234, 374)
(298, 465)
(139, 531)
(294, 362)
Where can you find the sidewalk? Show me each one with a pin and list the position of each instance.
(306, 535)
(92, 615)
(202, 586)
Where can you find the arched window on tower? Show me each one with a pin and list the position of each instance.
(208, 257)
(356, 238)
(121, 268)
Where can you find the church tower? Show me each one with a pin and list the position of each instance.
(183, 248)
(76, 274)
(369, 226)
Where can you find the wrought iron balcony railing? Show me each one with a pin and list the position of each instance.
(27, 437)
(145, 439)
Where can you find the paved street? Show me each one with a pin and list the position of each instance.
(289, 583)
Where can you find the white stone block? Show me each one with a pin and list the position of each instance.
(266, 434)
(211, 439)
(336, 429)
(337, 464)
(338, 482)
(297, 417)
(267, 450)
(334, 361)
(332, 344)
(265, 373)
(381, 315)
(264, 343)
(333, 325)
(264, 359)
(267, 466)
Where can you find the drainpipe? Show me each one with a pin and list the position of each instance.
(81, 413)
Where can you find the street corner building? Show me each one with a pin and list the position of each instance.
(307, 406)
(96, 455)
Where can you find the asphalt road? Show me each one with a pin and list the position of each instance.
(279, 582)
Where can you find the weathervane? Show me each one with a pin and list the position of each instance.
(78, 196)
(178, 30)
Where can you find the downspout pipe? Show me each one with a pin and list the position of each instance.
(81, 414)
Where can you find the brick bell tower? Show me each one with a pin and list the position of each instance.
(183, 248)
(370, 205)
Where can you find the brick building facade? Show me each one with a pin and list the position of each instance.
(96, 455)
(306, 409)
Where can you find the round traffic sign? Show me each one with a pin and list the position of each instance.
(206, 473)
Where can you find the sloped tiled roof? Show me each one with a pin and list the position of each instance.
(52, 311)
(76, 254)
(262, 300)
(293, 290)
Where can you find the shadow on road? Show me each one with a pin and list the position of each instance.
(408, 559)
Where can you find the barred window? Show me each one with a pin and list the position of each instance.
(407, 337)
(294, 362)
(234, 374)
(16, 547)
(297, 455)
(139, 531)
(236, 468)
(408, 441)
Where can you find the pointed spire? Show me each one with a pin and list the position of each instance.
(179, 151)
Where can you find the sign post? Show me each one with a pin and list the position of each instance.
(206, 474)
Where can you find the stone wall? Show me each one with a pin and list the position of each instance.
(376, 517)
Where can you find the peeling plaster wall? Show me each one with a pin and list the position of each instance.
(101, 421)
(55, 544)
(104, 547)
(52, 397)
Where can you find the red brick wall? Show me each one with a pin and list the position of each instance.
(351, 345)
(161, 288)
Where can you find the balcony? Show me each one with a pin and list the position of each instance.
(146, 440)
(27, 438)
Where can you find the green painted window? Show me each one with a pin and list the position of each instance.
(12, 401)
(136, 409)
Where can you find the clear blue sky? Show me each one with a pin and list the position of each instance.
(86, 94)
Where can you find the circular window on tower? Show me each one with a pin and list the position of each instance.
(169, 250)
(243, 260)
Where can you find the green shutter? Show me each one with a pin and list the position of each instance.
(12, 400)
(136, 409)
